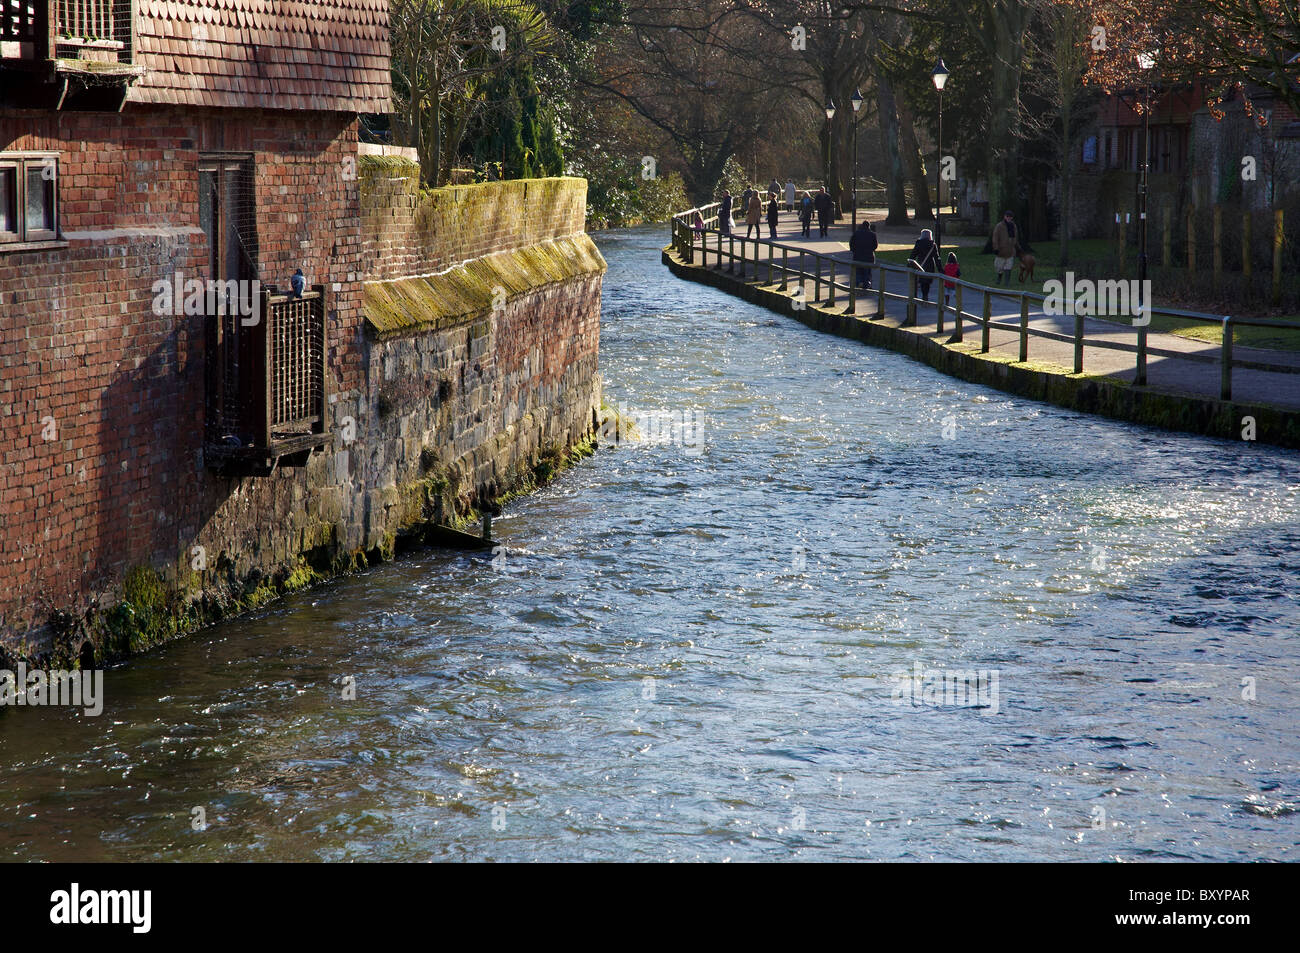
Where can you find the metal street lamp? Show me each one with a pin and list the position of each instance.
(940, 77)
(830, 140)
(1146, 62)
(857, 104)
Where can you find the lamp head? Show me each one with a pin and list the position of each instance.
(830, 109)
(939, 75)
(856, 100)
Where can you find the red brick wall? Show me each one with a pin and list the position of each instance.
(124, 483)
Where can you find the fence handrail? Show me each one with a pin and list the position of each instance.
(997, 291)
(683, 238)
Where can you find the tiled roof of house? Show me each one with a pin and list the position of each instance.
(329, 55)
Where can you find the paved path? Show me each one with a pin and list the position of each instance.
(1164, 373)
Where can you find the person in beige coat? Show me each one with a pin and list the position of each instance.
(1006, 243)
(753, 216)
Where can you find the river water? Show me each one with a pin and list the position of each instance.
(691, 646)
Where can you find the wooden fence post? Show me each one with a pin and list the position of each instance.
(911, 299)
(1140, 375)
(957, 316)
(984, 323)
(1078, 344)
(1024, 328)
(1225, 358)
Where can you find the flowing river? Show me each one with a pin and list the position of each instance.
(704, 645)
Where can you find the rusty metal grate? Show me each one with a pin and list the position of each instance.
(266, 381)
(296, 329)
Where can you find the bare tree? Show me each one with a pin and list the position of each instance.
(443, 52)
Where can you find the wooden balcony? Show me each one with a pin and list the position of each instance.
(267, 386)
(72, 47)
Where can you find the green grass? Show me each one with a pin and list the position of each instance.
(1095, 257)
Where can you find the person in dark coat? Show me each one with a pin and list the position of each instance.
(862, 245)
(773, 213)
(724, 213)
(925, 255)
(825, 209)
(744, 200)
(806, 214)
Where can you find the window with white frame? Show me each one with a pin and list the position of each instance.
(29, 197)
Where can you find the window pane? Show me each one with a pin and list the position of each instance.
(8, 199)
(40, 198)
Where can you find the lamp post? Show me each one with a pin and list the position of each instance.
(830, 140)
(1146, 62)
(857, 104)
(940, 77)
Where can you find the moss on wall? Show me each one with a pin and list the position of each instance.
(432, 302)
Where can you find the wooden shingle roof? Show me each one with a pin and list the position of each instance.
(327, 55)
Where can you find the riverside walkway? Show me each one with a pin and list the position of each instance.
(1019, 331)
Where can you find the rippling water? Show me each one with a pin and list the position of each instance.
(692, 655)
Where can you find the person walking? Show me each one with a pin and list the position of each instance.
(1005, 242)
(825, 209)
(862, 245)
(790, 194)
(774, 187)
(773, 213)
(925, 258)
(952, 270)
(724, 213)
(754, 215)
(806, 214)
(744, 200)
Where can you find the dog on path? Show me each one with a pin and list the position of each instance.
(1027, 263)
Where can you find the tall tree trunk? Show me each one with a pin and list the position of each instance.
(889, 133)
(1067, 167)
(913, 159)
(1009, 22)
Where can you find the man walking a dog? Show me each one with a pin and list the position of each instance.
(1005, 248)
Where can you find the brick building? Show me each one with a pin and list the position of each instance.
(148, 141)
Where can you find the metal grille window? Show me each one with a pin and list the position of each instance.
(266, 363)
(29, 190)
